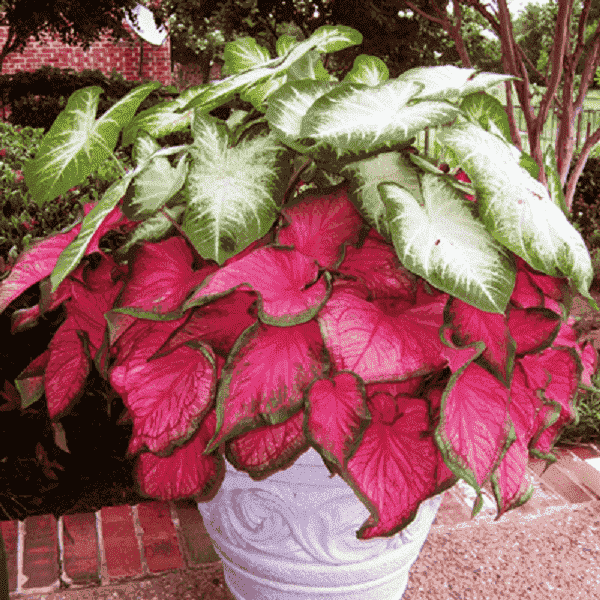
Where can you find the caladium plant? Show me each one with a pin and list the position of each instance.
(410, 322)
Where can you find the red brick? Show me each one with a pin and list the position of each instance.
(583, 474)
(123, 557)
(80, 540)
(40, 554)
(194, 535)
(564, 485)
(10, 534)
(161, 548)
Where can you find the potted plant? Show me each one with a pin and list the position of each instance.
(351, 348)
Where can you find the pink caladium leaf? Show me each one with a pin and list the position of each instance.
(474, 428)
(525, 293)
(510, 482)
(408, 387)
(39, 261)
(337, 416)
(107, 273)
(86, 309)
(167, 397)
(266, 240)
(470, 324)
(218, 324)
(32, 266)
(160, 278)
(556, 288)
(394, 467)
(589, 359)
(555, 373)
(533, 329)
(250, 395)
(67, 370)
(444, 477)
(50, 300)
(459, 356)
(566, 335)
(10, 394)
(377, 346)
(266, 450)
(186, 472)
(135, 337)
(377, 266)
(290, 289)
(27, 318)
(426, 293)
(30, 382)
(319, 226)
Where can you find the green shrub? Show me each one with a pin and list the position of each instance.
(22, 221)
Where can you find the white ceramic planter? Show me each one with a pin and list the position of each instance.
(292, 536)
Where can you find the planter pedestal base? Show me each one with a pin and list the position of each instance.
(292, 536)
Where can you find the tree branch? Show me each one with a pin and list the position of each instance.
(588, 72)
(424, 14)
(590, 142)
(557, 56)
(515, 134)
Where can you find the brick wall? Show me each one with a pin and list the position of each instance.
(103, 55)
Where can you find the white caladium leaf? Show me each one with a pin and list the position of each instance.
(258, 93)
(365, 175)
(444, 242)
(233, 194)
(368, 70)
(162, 119)
(553, 178)
(154, 187)
(236, 119)
(327, 38)
(146, 149)
(289, 104)
(310, 66)
(77, 144)
(73, 253)
(284, 44)
(243, 54)
(153, 229)
(449, 82)
(355, 117)
(428, 166)
(517, 209)
(488, 112)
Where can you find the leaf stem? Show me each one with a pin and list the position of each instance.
(294, 178)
